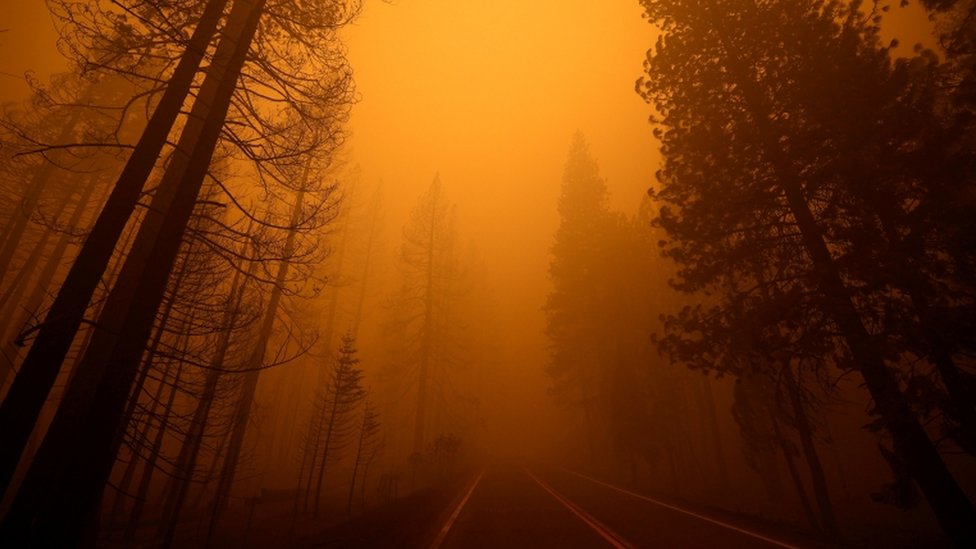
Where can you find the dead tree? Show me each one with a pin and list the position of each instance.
(252, 371)
(19, 410)
(369, 431)
(329, 431)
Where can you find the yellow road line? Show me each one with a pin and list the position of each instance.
(682, 510)
(442, 535)
(607, 534)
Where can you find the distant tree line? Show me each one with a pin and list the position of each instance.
(816, 205)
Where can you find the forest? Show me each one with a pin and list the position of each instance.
(428, 273)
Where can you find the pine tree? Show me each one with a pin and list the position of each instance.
(366, 449)
(752, 98)
(252, 368)
(23, 403)
(332, 428)
(574, 314)
(420, 306)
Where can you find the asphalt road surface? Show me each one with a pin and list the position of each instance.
(511, 506)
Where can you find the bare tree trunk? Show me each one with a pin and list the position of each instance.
(770, 476)
(373, 225)
(838, 463)
(142, 495)
(252, 374)
(951, 504)
(81, 486)
(362, 485)
(16, 287)
(190, 450)
(801, 490)
(21, 407)
(326, 446)
(962, 404)
(143, 375)
(426, 343)
(128, 474)
(150, 461)
(36, 295)
(363, 432)
(716, 435)
(21, 215)
(213, 472)
(310, 457)
(315, 437)
(130, 468)
(115, 517)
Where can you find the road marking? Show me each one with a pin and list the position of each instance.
(442, 535)
(607, 534)
(681, 510)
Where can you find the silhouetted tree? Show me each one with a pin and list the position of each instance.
(39, 138)
(366, 449)
(185, 467)
(573, 314)
(256, 361)
(134, 300)
(955, 20)
(332, 428)
(752, 175)
(419, 307)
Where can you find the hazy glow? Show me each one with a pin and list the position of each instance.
(489, 94)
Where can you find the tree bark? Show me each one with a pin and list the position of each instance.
(355, 473)
(962, 405)
(24, 273)
(190, 450)
(129, 472)
(370, 243)
(326, 446)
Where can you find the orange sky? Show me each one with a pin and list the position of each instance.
(489, 95)
(26, 43)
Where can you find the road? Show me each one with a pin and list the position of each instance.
(512, 506)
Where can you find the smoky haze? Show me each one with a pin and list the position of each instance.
(487, 274)
(489, 96)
